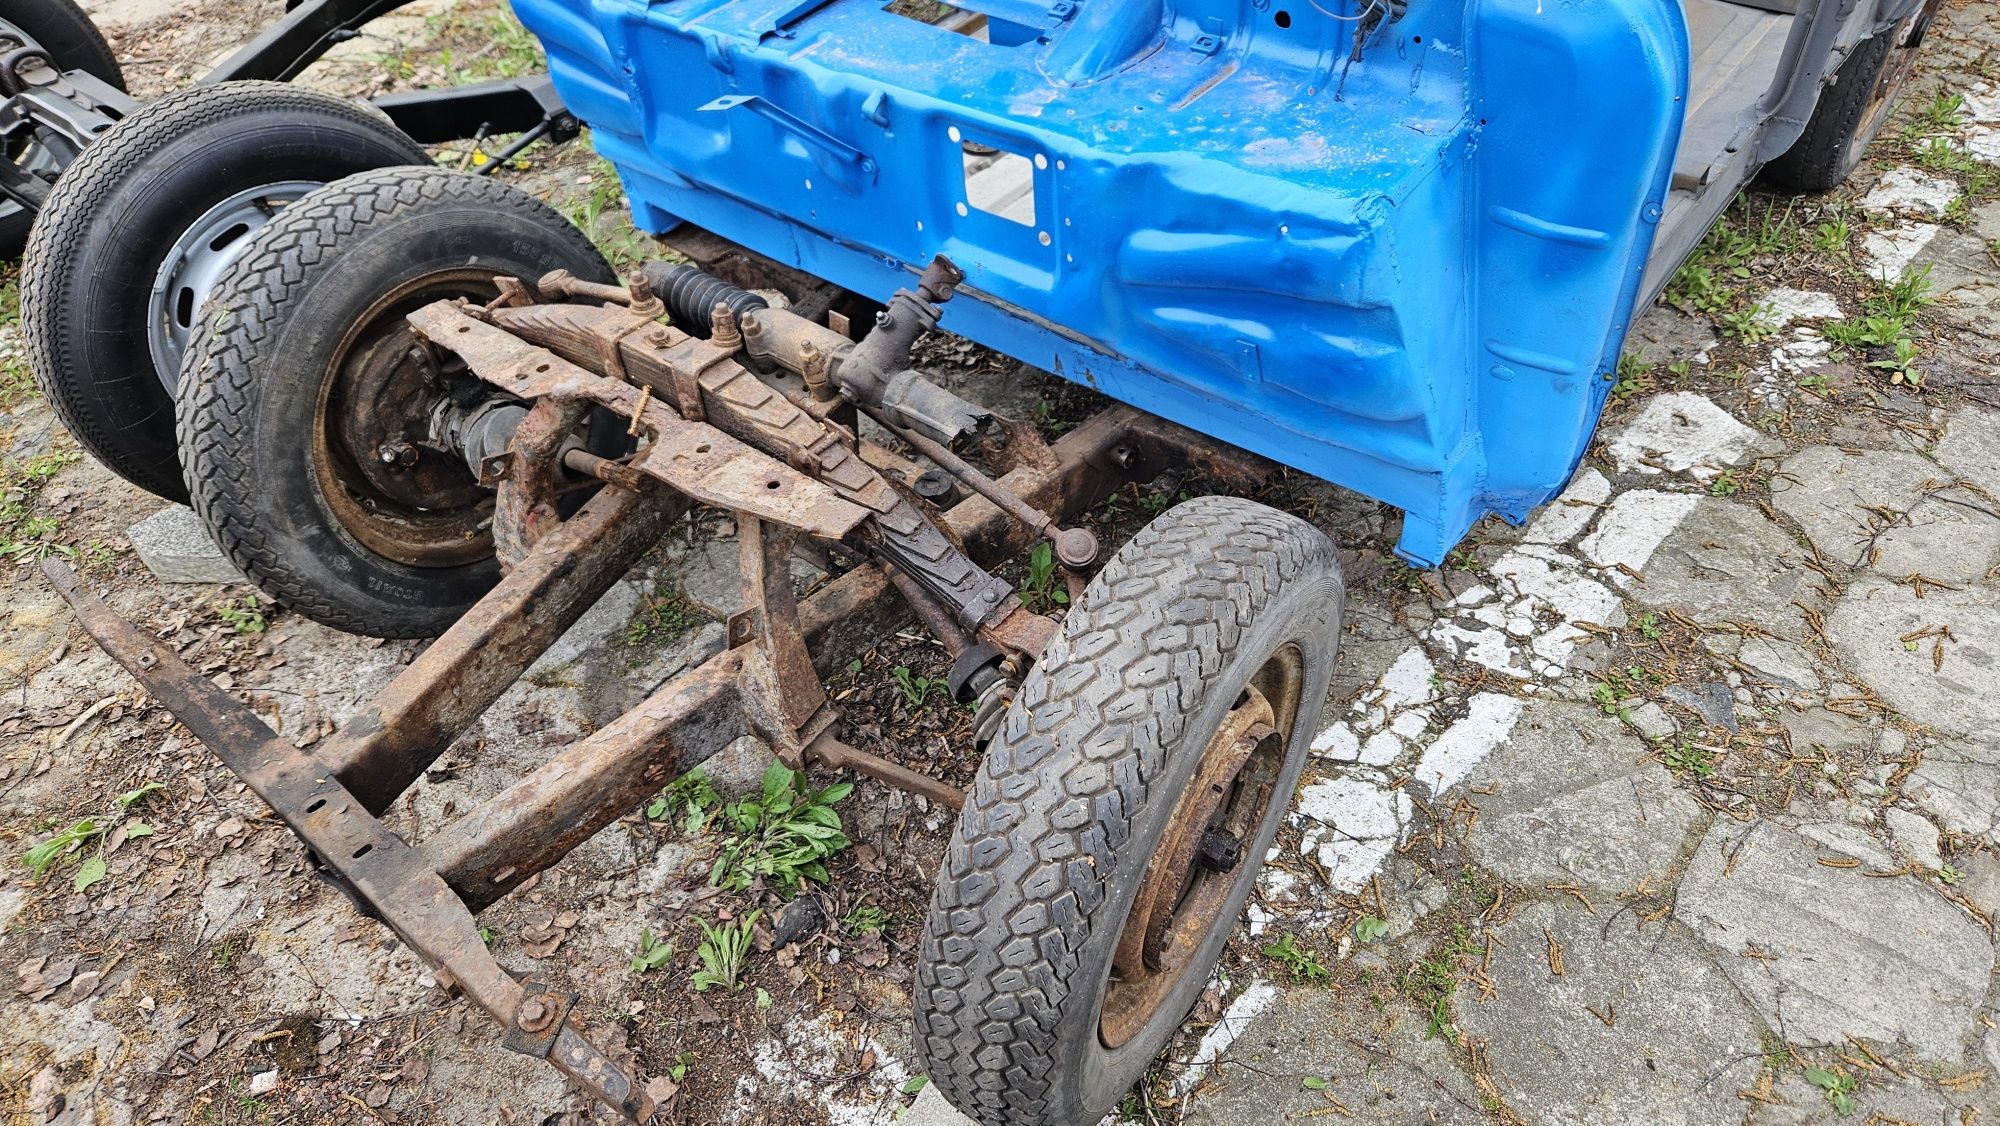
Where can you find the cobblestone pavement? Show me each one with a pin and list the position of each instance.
(1680, 804)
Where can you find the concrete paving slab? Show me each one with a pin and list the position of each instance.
(1885, 1099)
(1825, 952)
(1377, 1064)
(1915, 837)
(1958, 782)
(1883, 509)
(1577, 801)
(1829, 491)
(174, 545)
(1680, 432)
(1971, 447)
(1947, 682)
(1780, 662)
(1638, 1029)
(1725, 562)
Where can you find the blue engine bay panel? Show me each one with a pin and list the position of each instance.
(1392, 245)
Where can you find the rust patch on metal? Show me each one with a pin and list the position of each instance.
(390, 743)
(406, 893)
(787, 471)
(698, 460)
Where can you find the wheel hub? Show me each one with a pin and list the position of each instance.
(1198, 817)
(1199, 862)
(197, 261)
(379, 470)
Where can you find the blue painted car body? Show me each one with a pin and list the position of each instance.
(1406, 267)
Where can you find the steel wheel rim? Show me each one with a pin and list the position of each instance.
(197, 261)
(1896, 70)
(432, 514)
(1178, 904)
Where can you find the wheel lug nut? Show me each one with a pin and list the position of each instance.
(1220, 850)
(534, 1015)
(932, 485)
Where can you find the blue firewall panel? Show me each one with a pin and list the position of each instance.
(1392, 245)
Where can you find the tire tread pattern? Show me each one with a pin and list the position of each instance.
(1818, 160)
(232, 350)
(1057, 792)
(57, 242)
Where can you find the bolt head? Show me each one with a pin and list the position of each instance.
(1220, 850)
(534, 1014)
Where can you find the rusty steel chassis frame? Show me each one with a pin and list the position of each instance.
(764, 683)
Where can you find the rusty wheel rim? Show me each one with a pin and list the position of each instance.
(1194, 872)
(376, 394)
(1895, 72)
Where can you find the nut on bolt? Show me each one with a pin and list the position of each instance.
(723, 332)
(398, 453)
(932, 485)
(644, 302)
(535, 1014)
(1220, 850)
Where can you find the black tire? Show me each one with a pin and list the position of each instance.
(1851, 111)
(67, 34)
(257, 407)
(118, 212)
(1074, 796)
(65, 31)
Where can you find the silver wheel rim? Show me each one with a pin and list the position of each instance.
(197, 261)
